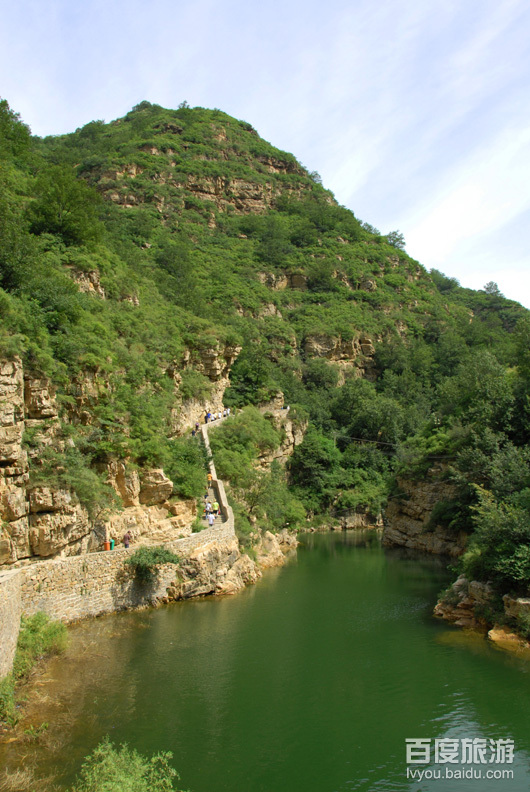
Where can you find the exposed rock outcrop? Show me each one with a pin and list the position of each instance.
(155, 524)
(515, 607)
(351, 355)
(471, 604)
(88, 282)
(155, 487)
(14, 539)
(64, 530)
(459, 603)
(41, 522)
(215, 568)
(292, 432)
(361, 518)
(269, 552)
(214, 362)
(408, 518)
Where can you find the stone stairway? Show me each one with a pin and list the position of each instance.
(212, 495)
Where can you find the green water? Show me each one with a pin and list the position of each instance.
(309, 681)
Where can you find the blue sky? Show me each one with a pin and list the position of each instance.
(415, 113)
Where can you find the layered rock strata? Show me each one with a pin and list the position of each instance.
(408, 518)
(469, 604)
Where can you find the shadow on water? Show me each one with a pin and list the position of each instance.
(311, 680)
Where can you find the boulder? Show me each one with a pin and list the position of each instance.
(155, 487)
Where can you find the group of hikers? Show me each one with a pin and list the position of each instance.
(214, 416)
(211, 510)
(211, 416)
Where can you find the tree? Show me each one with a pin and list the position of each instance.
(14, 135)
(396, 239)
(492, 288)
(315, 469)
(65, 206)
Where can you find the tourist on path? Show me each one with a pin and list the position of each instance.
(127, 539)
(211, 519)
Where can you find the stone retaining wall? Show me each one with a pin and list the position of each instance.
(10, 612)
(91, 584)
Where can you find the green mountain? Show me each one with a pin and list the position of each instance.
(172, 261)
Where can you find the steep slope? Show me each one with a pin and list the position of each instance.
(172, 262)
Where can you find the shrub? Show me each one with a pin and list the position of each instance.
(110, 769)
(523, 625)
(146, 560)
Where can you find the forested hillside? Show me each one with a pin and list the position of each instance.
(172, 260)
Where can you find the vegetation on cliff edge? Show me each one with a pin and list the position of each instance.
(131, 252)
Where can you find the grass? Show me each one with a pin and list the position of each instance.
(39, 637)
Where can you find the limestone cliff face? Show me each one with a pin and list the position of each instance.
(227, 193)
(19, 400)
(221, 568)
(408, 517)
(460, 601)
(214, 362)
(291, 431)
(41, 522)
(351, 355)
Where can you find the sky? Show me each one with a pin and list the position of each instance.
(415, 113)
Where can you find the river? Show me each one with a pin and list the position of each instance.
(310, 681)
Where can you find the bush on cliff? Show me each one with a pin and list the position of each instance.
(146, 560)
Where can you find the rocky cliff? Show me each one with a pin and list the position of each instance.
(408, 518)
(475, 606)
(353, 356)
(44, 521)
(213, 362)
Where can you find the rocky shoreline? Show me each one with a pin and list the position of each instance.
(474, 606)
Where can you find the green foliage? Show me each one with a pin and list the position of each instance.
(523, 626)
(8, 711)
(499, 550)
(262, 495)
(39, 637)
(153, 212)
(194, 385)
(71, 470)
(252, 378)
(146, 560)
(65, 206)
(396, 239)
(14, 135)
(315, 471)
(112, 769)
(185, 464)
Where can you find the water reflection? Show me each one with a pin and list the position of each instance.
(311, 680)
